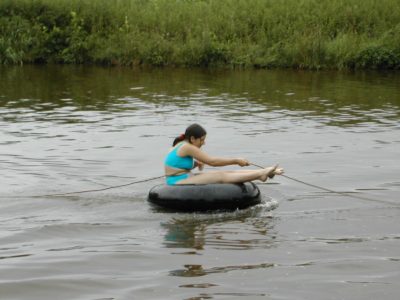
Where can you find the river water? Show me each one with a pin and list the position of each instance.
(65, 129)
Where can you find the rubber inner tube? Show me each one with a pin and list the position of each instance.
(205, 197)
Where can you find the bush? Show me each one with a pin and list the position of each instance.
(377, 57)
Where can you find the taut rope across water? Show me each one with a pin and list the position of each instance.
(347, 194)
(86, 191)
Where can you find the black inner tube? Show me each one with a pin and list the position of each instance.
(205, 197)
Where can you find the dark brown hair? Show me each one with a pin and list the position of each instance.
(194, 130)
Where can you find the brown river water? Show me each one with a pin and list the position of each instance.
(65, 129)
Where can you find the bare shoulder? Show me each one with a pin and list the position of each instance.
(188, 149)
(195, 152)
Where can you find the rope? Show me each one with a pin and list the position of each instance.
(347, 194)
(87, 191)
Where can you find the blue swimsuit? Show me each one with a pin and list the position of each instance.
(173, 160)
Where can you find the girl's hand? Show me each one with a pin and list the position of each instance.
(242, 162)
(199, 165)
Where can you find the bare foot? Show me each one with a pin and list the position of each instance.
(268, 172)
(278, 171)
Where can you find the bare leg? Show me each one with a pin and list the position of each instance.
(231, 171)
(277, 171)
(229, 176)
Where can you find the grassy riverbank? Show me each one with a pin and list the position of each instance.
(309, 34)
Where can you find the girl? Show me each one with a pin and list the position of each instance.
(187, 155)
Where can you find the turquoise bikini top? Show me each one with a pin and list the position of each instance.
(173, 160)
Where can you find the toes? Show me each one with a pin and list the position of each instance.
(275, 171)
(272, 170)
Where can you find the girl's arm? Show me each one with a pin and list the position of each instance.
(201, 156)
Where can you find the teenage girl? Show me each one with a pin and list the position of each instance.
(186, 155)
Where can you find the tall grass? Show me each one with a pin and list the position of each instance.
(311, 34)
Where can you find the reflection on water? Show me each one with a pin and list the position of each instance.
(198, 270)
(240, 230)
(80, 94)
(185, 234)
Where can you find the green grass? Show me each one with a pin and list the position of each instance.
(306, 34)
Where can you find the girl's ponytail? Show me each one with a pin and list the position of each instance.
(178, 139)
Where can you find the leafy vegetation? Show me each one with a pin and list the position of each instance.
(308, 34)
